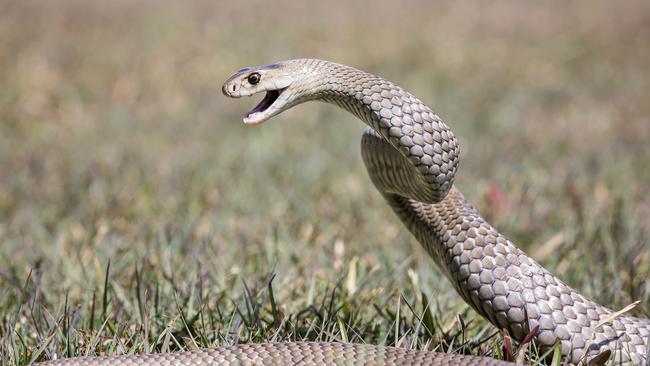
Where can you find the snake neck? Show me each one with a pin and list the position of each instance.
(427, 144)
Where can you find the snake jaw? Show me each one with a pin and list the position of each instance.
(266, 108)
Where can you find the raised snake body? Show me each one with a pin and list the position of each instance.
(412, 157)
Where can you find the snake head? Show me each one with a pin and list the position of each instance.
(273, 79)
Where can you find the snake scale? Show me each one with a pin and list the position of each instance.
(412, 157)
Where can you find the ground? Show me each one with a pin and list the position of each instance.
(138, 214)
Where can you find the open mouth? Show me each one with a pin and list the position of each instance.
(257, 115)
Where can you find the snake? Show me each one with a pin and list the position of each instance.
(412, 157)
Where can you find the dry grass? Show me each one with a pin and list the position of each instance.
(117, 146)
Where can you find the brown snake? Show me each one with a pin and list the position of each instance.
(412, 157)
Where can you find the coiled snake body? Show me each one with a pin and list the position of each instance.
(412, 157)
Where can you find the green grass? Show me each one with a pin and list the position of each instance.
(117, 147)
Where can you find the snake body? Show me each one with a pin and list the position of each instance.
(289, 353)
(412, 156)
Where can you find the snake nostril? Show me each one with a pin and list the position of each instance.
(234, 87)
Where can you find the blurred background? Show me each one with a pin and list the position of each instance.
(116, 145)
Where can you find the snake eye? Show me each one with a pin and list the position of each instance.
(254, 78)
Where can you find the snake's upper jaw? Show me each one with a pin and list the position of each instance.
(266, 108)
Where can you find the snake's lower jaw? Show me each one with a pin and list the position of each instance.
(255, 119)
(266, 108)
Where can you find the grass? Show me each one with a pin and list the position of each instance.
(138, 214)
